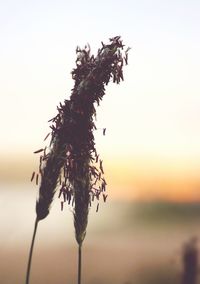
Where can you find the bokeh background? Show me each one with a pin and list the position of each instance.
(151, 150)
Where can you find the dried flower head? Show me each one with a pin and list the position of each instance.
(72, 161)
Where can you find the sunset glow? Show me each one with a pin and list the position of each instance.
(151, 148)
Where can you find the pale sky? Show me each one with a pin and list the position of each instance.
(154, 112)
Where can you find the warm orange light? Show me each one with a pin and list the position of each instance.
(128, 178)
(153, 178)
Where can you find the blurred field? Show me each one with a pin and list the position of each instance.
(126, 242)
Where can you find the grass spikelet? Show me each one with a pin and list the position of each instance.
(50, 167)
(86, 169)
(91, 75)
(49, 179)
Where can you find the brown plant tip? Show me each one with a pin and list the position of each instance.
(33, 175)
(38, 151)
(37, 177)
(104, 197)
(47, 136)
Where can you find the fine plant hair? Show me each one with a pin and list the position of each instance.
(71, 163)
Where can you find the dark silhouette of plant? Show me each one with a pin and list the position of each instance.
(72, 163)
(190, 262)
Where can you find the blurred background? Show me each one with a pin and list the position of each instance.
(151, 150)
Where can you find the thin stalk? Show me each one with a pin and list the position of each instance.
(79, 263)
(31, 252)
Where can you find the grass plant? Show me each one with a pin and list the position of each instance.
(72, 164)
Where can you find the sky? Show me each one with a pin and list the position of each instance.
(152, 142)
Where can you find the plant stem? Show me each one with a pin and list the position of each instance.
(31, 252)
(79, 263)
